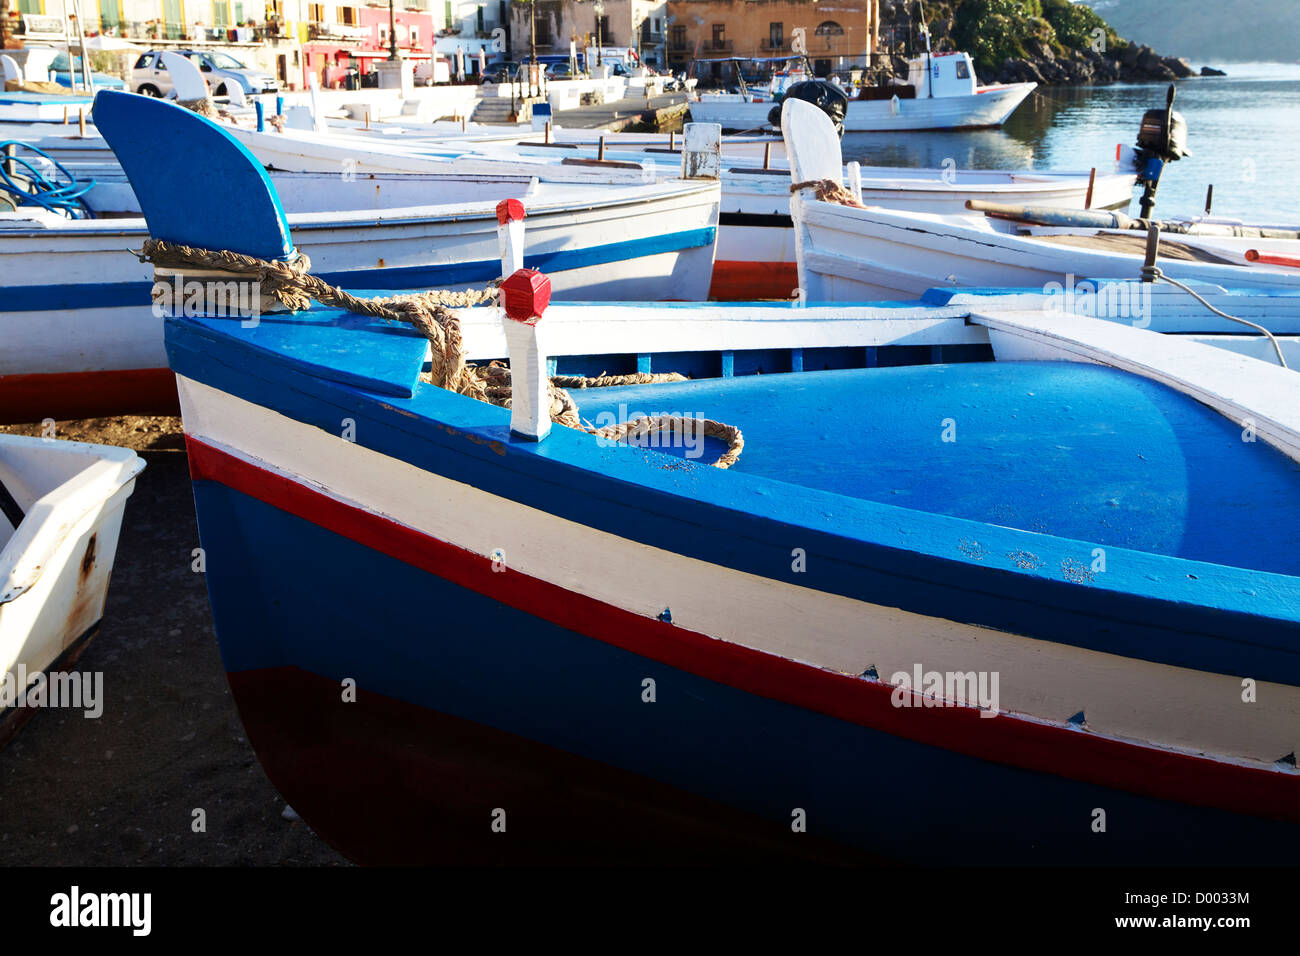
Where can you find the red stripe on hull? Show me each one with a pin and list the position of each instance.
(64, 395)
(737, 281)
(1003, 739)
(389, 783)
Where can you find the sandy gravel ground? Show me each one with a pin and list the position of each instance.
(121, 790)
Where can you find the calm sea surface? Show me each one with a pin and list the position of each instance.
(1243, 131)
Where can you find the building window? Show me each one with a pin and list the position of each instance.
(719, 36)
(220, 13)
(347, 16)
(678, 36)
(480, 20)
(544, 31)
(415, 36)
(316, 11)
(775, 36)
(830, 28)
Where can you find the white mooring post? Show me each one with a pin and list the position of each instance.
(317, 111)
(524, 296)
(510, 236)
(702, 151)
(855, 180)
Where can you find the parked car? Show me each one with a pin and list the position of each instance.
(501, 72)
(100, 81)
(562, 71)
(150, 77)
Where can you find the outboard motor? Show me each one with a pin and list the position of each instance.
(824, 95)
(1162, 139)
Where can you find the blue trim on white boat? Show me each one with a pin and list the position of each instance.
(105, 295)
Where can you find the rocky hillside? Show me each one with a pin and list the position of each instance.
(1051, 42)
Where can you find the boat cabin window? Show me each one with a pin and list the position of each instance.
(963, 71)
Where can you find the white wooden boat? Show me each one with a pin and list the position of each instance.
(755, 251)
(72, 292)
(24, 107)
(852, 254)
(1095, 537)
(941, 93)
(61, 507)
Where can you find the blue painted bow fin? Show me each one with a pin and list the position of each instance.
(196, 184)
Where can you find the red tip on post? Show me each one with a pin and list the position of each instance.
(526, 295)
(509, 210)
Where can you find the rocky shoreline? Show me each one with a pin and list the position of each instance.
(1133, 63)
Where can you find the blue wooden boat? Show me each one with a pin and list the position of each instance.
(991, 582)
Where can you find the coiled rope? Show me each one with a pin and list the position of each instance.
(828, 190)
(290, 283)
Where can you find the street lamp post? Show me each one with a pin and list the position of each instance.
(600, 15)
(392, 34)
(532, 30)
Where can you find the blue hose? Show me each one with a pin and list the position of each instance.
(65, 198)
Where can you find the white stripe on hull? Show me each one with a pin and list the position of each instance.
(854, 254)
(1176, 707)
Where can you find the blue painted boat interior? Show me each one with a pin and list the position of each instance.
(1068, 449)
(1072, 450)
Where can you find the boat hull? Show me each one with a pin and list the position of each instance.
(756, 249)
(81, 312)
(540, 667)
(55, 567)
(991, 108)
(854, 255)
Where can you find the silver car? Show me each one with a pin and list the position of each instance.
(151, 78)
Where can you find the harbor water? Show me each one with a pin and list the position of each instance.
(1242, 131)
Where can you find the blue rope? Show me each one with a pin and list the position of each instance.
(65, 198)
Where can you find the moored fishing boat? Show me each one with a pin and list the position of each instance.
(941, 92)
(87, 348)
(848, 253)
(61, 506)
(940, 607)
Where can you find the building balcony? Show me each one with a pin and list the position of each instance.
(317, 30)
(769, 47)
(157, 33)
(720, 46)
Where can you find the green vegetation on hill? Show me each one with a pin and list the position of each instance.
(994, 31)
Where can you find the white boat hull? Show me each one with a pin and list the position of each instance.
(83, 345)
(55, 566)
(993, 107)
(852, 255)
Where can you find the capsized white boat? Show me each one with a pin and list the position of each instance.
(61, 505)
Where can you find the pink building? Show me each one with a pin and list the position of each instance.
(360, 39)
